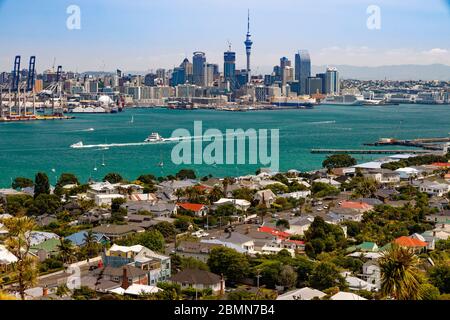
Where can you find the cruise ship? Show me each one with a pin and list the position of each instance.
(302, 102)
(344, 100)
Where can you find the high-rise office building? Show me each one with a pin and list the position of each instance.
(248, 48)
(284, 63)
(178, 76)
(314, 85)
(302, 69)
(229, 68)
(332, 84)
(199, 68)
(210, 69)
(188, 70)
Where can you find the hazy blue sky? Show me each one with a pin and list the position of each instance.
(146, 34)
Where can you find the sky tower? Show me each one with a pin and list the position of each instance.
(248, 46)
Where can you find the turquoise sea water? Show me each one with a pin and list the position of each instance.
(26, 148)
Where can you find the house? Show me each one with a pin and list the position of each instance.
(296, 195)
(114, 232)
(38, 237)
(158, 209)
(134, 275)
(196, 250)
(3, 230)
(136, 290)
(407, 173)
(199, 280)
(329, 181)
(200, 210)
(357, 284)
(338, 215)
(346, 296)
(358, 206)
(383, 176)
(78, 239)
(46, 249)
(371, 273)
(439, 218)
(302, 294)
(95, 216)
(239, 204)
(299, 225)
(158, 266)
(367, 247)
(7, 259)
(265, 197)
(240, 240)
(106, 199)
(386, 194)
(434, 188)
(413, 243)
(426, 237)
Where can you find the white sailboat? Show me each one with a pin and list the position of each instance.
(132, 119)
(103, 161)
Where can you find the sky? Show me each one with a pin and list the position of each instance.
(142, 35)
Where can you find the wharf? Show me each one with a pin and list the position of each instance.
(363, 151)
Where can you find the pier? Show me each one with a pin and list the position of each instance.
(363, 151)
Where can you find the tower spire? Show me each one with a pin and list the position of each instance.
(248, 46)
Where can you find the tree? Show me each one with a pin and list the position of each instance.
(41, 184)
(244, 193)
(283, 224)
(66, 251)
(363, 187)
(113, 178)
(321, 190)
(152, 239)
(90, 244)
(232, 264)
(225, 210)
(429, 292)
(215, 194)
(440, 277)
(167, 229)
(326, 275)
(399, 275)
(21, 182)
(338, 161)
(287, 277)
(147, 179)
(43, 204)
(18, 243)
(184, 174)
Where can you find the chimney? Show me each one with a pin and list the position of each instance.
(45, 291)
(222, 285)
(125, 282)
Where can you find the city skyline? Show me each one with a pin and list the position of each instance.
(136, 45)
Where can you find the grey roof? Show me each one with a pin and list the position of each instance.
(235, 237)
(195, 276)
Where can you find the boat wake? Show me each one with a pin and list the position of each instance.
(104, 146)
(323, 122)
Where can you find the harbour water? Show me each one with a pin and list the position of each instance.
(28, 147)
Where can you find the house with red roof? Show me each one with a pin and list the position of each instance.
(200, 210)
(356, 205)
(410, 242)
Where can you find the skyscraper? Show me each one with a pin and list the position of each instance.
(332, 84)
(188, 70)
(229, 67)
(248, 47)
(302, 69)
(199, 68)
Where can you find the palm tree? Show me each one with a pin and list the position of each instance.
(66, 250)
(90, 243)
(365, 188)
(399, 274)
(215, 194)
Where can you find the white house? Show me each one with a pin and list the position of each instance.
(106, 199)
(407, 173)
(346, 296)
(239, 204)
(434, 188)
(302, 294)
(372, 273)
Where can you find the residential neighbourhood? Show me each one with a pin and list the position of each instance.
(328, 234)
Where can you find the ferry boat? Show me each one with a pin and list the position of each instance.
(154, 137)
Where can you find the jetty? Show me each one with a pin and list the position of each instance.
(366, 151)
